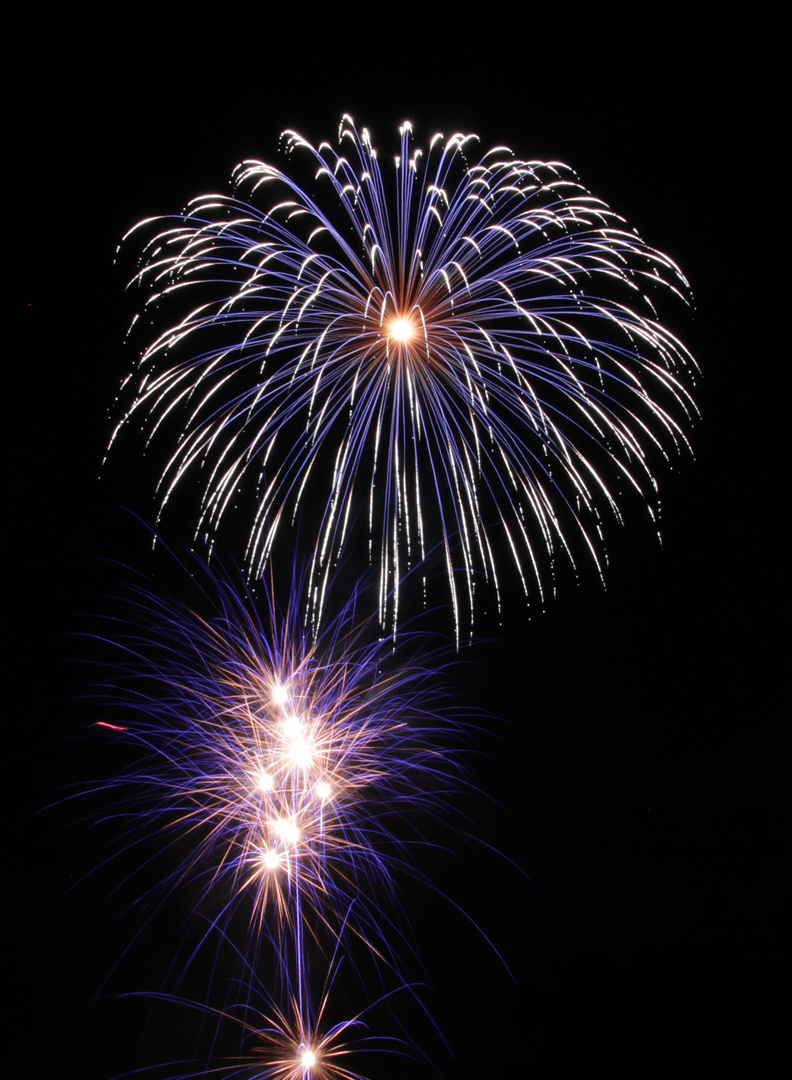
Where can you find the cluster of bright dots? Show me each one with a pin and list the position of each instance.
(291, 781)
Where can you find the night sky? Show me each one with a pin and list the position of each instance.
(635, 768)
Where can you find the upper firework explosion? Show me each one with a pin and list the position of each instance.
(422, 352)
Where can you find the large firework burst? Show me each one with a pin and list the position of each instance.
(445, 355)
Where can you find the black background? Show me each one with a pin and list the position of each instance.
(639, 758)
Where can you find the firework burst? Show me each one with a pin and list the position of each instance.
(288, 1042)
(443, 355)
(288, 775)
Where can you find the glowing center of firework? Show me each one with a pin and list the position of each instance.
(301, 754)
(308, 1059)
(292, 727)
(266, 781)
(287, 831)
(279, 695)
(323, 790)
(271, 860)
(401, 330)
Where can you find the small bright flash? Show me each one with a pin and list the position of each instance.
(266, 781)
(280, 695)
(287, 830)
(271, 859)
(301, 754)
(308, 1059)
(292, 727)
(323, 790)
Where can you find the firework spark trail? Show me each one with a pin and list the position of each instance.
(454, 346)
(289, 775)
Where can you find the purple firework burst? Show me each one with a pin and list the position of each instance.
(455, 353)
(291, 777)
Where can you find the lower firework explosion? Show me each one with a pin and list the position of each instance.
(287, 778)
(293, 1040)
